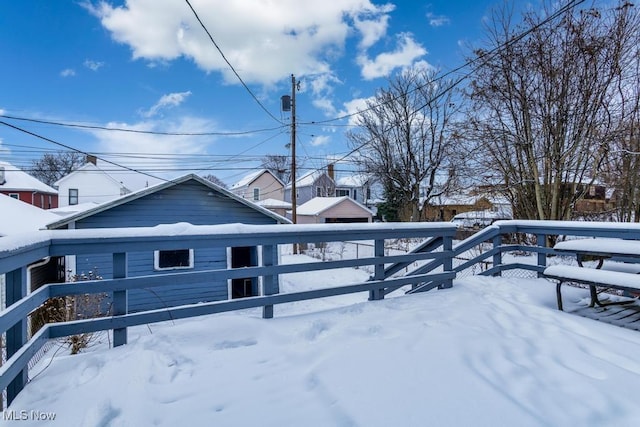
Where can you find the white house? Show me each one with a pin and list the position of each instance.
(91, 183)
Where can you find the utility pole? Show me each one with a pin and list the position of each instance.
(294, 213)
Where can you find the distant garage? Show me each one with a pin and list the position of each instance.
(324, 210)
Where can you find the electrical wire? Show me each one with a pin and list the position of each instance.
(485, 55)
(146, 132)
(229, 64)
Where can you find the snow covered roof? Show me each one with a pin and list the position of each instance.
(458, 199)
(87, 167)
(356, 180)
(73, 209)
(317, 205)
(273, 204)
(21, 217)
(308, 179)
(248, 179)
(18, 180)
(128, 179)
(155, 188)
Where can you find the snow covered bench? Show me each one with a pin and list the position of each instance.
(623, 280)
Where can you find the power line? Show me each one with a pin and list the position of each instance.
(75, 149)
(485, 55)
(147, 132)
(229, 64)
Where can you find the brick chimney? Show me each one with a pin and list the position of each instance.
(91, 159)
(330, 171)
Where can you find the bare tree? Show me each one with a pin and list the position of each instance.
(623, 168)
(544, 111)
(405, 137)
(215, 180)
(51, 167)
(279, 165)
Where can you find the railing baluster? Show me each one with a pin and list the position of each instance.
(270, 283)
(497, 257)
(16, 289)
(378, 252)
(120, 304)
(541, 240)
(447, 262)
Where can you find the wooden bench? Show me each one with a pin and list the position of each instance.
(623, 280)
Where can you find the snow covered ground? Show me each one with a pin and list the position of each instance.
(488, 352)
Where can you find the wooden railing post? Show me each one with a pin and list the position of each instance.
(16, 289)
(447, 263)
(541, 240)
(120, 304)
(270, 284)
(497, 257)
(378, 252)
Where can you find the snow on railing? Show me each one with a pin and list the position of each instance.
(18, 252)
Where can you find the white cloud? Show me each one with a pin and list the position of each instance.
(321, 140)
(354, 106)
(166, 101)
(437, 20)
(156, 153)
(67, 72)
(372, 30)
(406, 53)
(265, 41)
(93, 65)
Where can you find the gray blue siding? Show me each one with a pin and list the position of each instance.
(190, 202)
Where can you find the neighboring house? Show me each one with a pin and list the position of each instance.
(89, 183)
(321, 210)
(310, 185)
(21, 186)
(17, 218)
(278, 206)
(190, 199)
(363, 188)
(259, 185)
(445, 208)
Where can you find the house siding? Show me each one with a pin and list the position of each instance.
(189, 202)
(35, 198)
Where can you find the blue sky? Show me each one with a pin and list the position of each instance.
(148, 65)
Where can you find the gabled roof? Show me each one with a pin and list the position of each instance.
(90, 167)
(164, 185)
(356, 180)
(21, 217)
(309, 178)
(248, 179)
(17, 180)
(317, 205)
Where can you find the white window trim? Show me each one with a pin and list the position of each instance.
(156, 262)
(256, 194)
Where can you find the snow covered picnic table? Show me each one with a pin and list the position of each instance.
(623, 276)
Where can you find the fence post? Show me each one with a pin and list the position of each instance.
(16, 289)
(120, 304)
(447, 263)
(541, 240)
(270, 284)
(378, 252)
(497, 257)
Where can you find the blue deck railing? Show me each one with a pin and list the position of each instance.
(18, 252)
(438, 258)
